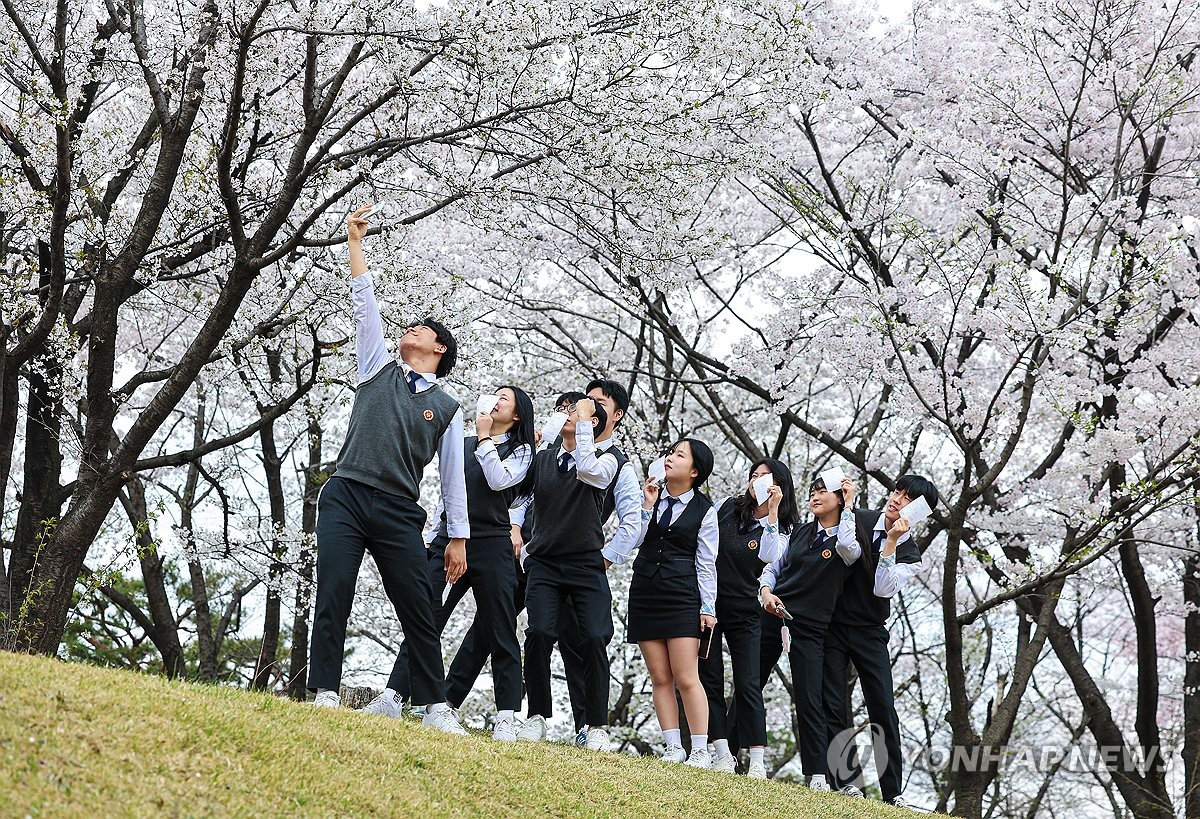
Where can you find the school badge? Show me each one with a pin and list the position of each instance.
(752, 545)
(428, 415)
(826, 554)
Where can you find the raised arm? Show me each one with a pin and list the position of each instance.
(369, 347)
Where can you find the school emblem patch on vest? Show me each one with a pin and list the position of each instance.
(428, 415)
(752, 545)
(826, 554)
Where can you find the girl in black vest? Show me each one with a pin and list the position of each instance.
(753, 535)
(496, 470)
(804, 584)
(672, 596)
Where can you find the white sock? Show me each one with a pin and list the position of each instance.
(671, 736)
(699, 742)
(505, 715)
(436, 707)
(756, 755)
(721, 746)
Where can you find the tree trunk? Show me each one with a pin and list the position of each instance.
(1191, 680)
(164, 633)
(314, 479)
(269, 648)
(41, 504)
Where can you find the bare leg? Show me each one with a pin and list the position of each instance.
(684, 668)
(658, 661)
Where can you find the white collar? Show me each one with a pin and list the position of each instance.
(430, 377)
(684, 499)
(881, 526)
(500, 437)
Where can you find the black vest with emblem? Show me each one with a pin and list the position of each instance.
(669, 553)
(738, 561)
(812, 576)
(568, 511)
(858, 605)
(487, 508)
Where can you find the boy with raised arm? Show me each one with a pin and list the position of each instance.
(401, 418)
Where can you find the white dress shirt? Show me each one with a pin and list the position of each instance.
(507, 472)
(373, 356)
(890, 576)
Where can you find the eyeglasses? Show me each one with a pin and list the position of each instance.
(567, 408)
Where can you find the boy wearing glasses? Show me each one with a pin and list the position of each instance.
(401, 418)
(858, 633)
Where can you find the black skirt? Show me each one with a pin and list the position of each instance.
(663, 608)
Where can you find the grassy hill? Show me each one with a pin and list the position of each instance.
(81, 740)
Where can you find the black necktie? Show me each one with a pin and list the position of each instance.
(821, 539)
(564, 463)
(412, 378)
(664, 515)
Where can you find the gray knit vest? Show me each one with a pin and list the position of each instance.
(394, 433)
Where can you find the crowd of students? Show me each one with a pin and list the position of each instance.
(521, 524)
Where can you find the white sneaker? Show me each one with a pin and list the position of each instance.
(726, 763)
(852, 792)
(505, 730)
(757, 770)
(597, 740)
(328, 699)
(444, 720)
(817, 782)
(700, 758)
(386, 704)
(901, 802)
(534, 729)
(674, 753)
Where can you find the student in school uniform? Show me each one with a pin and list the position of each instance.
(474, 651)
(401, 418)
(858, 634)
(673, 594)
(752, 535)
(497, 472)
(564, 566)
(805, 583)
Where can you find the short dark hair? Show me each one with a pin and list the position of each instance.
(613, 390)
(600, 415)
(569, 397)
(702, 459)
(821, 483)
(914, 485)
(446, 339)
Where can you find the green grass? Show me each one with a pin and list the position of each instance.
(82, 740)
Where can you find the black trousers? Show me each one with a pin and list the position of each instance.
(740, 625)
(867, 648)
(353, 519)
(474, 652)
(807, 659)
(580, 583)
(490, 574)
